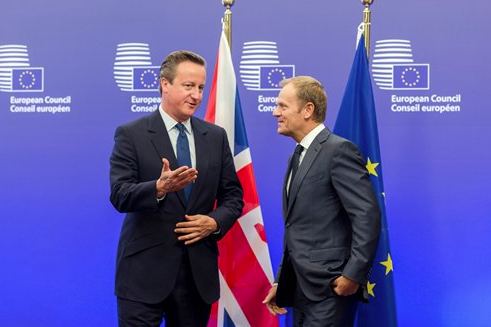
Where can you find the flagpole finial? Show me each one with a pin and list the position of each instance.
(227, 20)
(367, 23)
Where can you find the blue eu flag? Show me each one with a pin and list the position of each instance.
(29, 79)
(272, 75)
(146, 78)
(411, 76)
(357, 122)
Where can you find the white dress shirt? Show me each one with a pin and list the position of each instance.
(305, 143)
(170, 125)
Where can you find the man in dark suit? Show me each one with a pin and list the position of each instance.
(332, 219)
(174, 176)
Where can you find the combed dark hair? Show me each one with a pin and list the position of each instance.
(310, 90)
(169, 65)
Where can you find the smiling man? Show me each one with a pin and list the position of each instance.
(332, 219)
(174, 176)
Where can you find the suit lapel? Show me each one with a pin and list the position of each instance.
(161, 141)
(202, 148)
(285, 185)
(304, 167)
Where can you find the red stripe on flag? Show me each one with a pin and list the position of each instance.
(251, 199)
(212, 99)
(245, 277)
(213, 321)
(261, 231)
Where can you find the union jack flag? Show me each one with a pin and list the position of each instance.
(244, 263)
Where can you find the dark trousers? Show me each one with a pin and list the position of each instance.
(337, 311)
(182, 308)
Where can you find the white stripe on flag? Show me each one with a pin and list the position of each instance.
(227, 300)
(242, 159)
(220, 313)
(260, 248)
(226, 87)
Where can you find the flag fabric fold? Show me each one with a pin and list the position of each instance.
(244, 263)
(357, 122)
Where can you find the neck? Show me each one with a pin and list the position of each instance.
(299, 136)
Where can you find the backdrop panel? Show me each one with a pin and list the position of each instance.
(61, 98)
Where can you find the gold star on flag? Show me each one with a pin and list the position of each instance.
(371, 167)
(370, 288)
(387, 264)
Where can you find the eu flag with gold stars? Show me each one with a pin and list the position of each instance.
(146, 78)
(28, 79)
(357, 121)
(272, 75)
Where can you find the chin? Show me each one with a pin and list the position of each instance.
(188, 113)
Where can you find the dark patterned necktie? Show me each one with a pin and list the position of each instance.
(295, 163)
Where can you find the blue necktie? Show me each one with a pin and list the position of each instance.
(183, 155)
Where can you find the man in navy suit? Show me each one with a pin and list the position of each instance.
(332, 219)
(174, 177)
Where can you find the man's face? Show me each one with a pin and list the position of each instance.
(289, 112)
(181, 98)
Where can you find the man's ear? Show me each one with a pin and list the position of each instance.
(309, 110)
(164, 84)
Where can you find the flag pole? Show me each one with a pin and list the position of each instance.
(227, 21)
(367, 23)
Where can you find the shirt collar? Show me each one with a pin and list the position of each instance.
(309, 138)
(170, 122)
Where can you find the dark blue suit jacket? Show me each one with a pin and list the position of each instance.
(149, 254)
(332, 221)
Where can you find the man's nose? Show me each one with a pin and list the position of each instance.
(196, 93)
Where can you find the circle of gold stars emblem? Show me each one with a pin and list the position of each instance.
(276, 71)
(408, 71)
(145, 73)
(22, 81)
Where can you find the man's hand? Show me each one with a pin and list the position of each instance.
(195, 228)
(270, 301)
(343, 286)
(174, 180)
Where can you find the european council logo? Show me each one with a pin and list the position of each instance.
(260, 67)
(133, 70)
(16, 74)
(393, 67)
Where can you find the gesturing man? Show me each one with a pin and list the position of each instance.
(174, 177)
